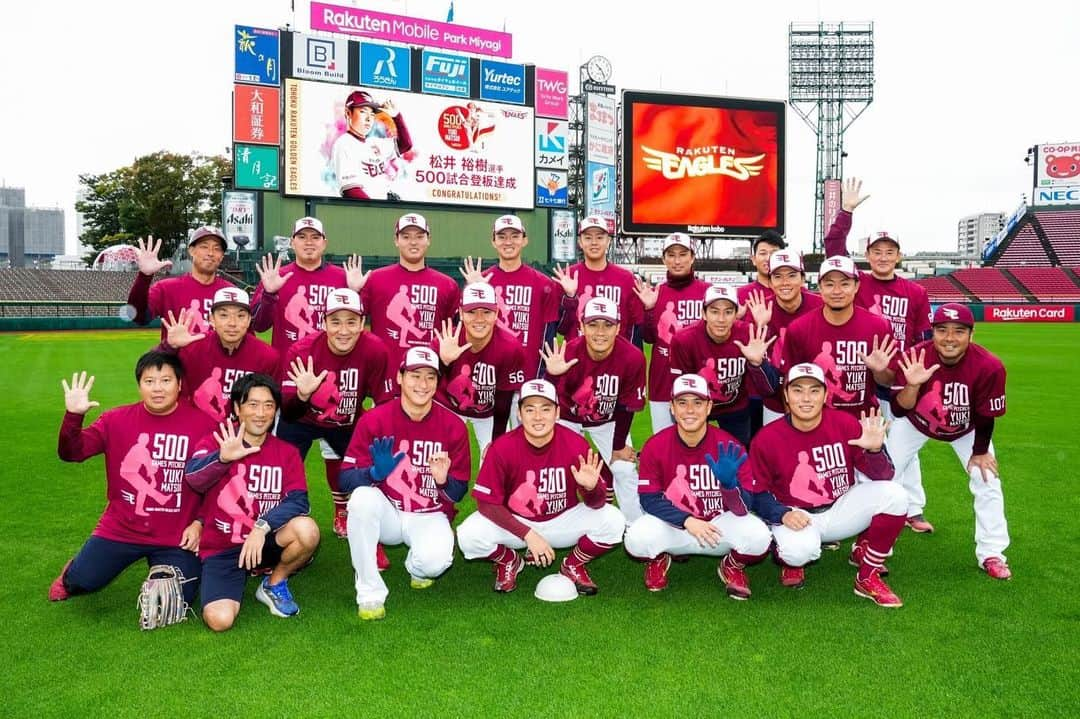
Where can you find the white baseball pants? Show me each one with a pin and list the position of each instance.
(478, 536)
(624, 473)
(661, 416)
(650, 536)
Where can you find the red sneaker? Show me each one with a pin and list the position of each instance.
(856, 557)
(997, 568)
(381, 560)
(734, 578)
(793, 577)
(656, 572)
(341, 527)
(579, 575)
(57, 591)
(919, 525)
(506, 573)
(876, 589)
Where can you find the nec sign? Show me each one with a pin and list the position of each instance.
(502, 82)
(1060, 196)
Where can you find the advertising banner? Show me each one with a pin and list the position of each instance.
(257, 114)
(502, 82)
(320, 58)
(831, 206)
(552, 94)
(414, 148)
(600, 191)
(563, 236)
(255, 167)
(445, 74)
(600, 129)
(551, 189)
(1028, 313)
(1057, 165)
(238, 215)
(257, 55)
(410, 30)
(387, 66)
(552, 144)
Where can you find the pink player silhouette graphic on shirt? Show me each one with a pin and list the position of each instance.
(461, 389)
(198, 318)
(932, 408)
(405, 479)
(586, 295)
(806, 485)
(681, 495)
(238, 504)
(834, 377)
(668, 323)
(298, 313)
(402, 313)
(778, 346)
(585, 401)
(502, 317)
(138, 469)
(326, 398)
(876, 307)
(525, 499)
(719, 391)
(209, 396)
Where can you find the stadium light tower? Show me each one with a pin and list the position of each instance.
(830, 83)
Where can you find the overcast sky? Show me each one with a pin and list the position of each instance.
(961, 92)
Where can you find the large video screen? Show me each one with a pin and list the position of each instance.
(702, 165)
(458, 151)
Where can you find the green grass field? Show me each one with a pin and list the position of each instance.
(963, 644)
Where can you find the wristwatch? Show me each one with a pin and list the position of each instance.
(263, 525)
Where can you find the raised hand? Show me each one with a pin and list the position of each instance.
(850, 196)
(758, 308)
(178, 329)
(873, 431)
(383, 461)
(568, 281)
(146, 257)
(77, 394)
(913, 365)
(472, 272)
(880, 354)
(439, 464)
(754, 350)
(449, 349)
(305, 378)
(269, 269)
(231, 443)
(554, 356)
(355, 277)
(587, 474)
(725, 466)
(645, 292)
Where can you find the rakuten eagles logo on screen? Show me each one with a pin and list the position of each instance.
(687, 162)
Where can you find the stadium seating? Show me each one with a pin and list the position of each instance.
(64, 285)
(942, 289)
(1025, 250)
(1048, 284)
(1062, 229)
(988, 284)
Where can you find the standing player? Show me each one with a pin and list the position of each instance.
(407, 465)
(730, 355)
(761, 249)
(596, 277)
(256, 505)
(366, 165)
(809, 483)
(690, 476)
(673, 306)
(952, 390)
(195, 290)
(483, 365)
(540, 489)
(149, 512)
(327, 376)
(408, 301)
(600, 380)
(214, 361)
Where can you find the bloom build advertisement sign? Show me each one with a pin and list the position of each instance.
(414, 148)
(679, 149)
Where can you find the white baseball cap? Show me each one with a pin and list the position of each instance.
(412, 219)
(693, 384)
(344, 299)
(556, 588)
(600, 308)
(721, 292)
(418, 357)
(594, 221)
(883, 235)
(806, 369)
(231, 296)
(678, 238)
(306, 223)
(839, 263)
(508, 222)
(785, 258)
(538, 388)
(479, 295)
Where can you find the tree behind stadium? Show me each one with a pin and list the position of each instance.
(162, 194)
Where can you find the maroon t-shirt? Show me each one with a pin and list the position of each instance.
(954, 395)
(339, 400)
(675, 309)
(468, 385)
(528, 300)
(247, 489)
(589, 390)
(298, 309)
(815, 468)
(174, 294)
(616, 284)
(667, 464)
(210, 370)
(836, 350)
(410, 486)
(778, 327)
(535, 483)
(743, 293)
(722, 365)
(145, 454)
(406, 307)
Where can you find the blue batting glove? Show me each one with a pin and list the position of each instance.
(726, 465)
(383, 460)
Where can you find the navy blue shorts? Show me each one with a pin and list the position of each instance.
(301, 436)
(737, 424)
(102, 560)
(222, 578)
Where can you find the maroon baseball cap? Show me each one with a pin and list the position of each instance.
(208, 231)
(954, 312)
(360, 98)
(420, 357)
(477, 296)
(883, 236)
